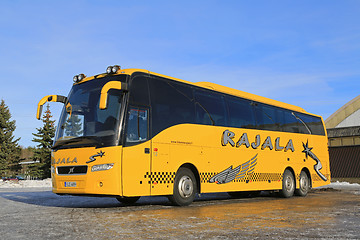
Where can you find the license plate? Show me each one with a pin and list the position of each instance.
(70, 184)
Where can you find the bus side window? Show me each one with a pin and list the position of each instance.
(312, 122)
(291, 124)
(139, 91)
(268, 117)
(171, 104)
(210, 108)
(137, 125)
(241, 114)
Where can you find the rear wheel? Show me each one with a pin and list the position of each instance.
(184, 188)
(304, 185)
(127, 200)
(288, 184)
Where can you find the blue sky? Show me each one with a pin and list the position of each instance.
(305, 53)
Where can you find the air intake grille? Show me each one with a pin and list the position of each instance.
(68, 170)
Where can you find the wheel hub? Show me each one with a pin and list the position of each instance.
(289, 185)
(303, 183)
(186, 186)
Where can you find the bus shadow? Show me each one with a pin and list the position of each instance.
(49, 199)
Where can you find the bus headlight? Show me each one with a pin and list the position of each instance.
(113, 69)
(109, 69)
(102, 167)
(79, 77)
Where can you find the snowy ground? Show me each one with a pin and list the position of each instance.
(47, 183)
(30, 211)
(342, 186)
(25, 183)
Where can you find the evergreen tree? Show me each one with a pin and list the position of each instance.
(73, 126)
(42, 153)
(9, 149)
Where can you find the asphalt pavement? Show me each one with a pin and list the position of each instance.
(37, 213)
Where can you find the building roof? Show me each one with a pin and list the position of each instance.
(346, 116)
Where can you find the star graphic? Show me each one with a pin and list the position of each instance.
(307, 149)
(101, 153)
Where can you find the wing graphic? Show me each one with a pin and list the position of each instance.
(247, 167)
(231, 173)
(225, 176)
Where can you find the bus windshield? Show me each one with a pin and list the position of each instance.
(83, 123)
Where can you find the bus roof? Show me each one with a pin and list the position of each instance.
(211, 86)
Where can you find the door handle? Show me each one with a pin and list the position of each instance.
(147, 150)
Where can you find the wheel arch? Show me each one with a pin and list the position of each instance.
(307, 171)
(293, 173)
(195, 172)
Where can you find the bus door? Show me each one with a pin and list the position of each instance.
(136, 156)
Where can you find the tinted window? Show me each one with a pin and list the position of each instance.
(291, 124)
(137, 125)
(278, 119)
(172, 104)
(139, 91)
(268, 117)
(82, 117)
(210, 108)
(241, 113)
(313, 123)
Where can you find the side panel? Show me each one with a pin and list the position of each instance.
(136, 163)
(320, 150)
(242, 160)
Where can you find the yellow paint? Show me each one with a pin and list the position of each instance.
(49, 98)
(135, 165)
(107, 182)
(149, 168)
(105, 90)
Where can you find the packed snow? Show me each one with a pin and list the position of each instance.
(342, 185)
(25, 183)
(47, 183)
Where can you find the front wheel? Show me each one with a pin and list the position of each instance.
(288, 184)
(184, 188)
(304, 185)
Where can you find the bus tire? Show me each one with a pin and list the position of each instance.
(127, 200)
(184, 188)
(304, 185)
(288, 184)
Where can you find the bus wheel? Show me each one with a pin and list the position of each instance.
(304, 185)
(288, 184)
(127, 200)
(184, 188)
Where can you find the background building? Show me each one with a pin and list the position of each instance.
(343, 128)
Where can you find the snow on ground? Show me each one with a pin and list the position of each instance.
(47, 183)
(342, 185)
(25, 183)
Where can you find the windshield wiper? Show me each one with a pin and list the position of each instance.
(79, 141)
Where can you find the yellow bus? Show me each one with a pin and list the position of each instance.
(129, 133)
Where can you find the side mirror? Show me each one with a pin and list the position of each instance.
(49, 98)
(106, 88)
